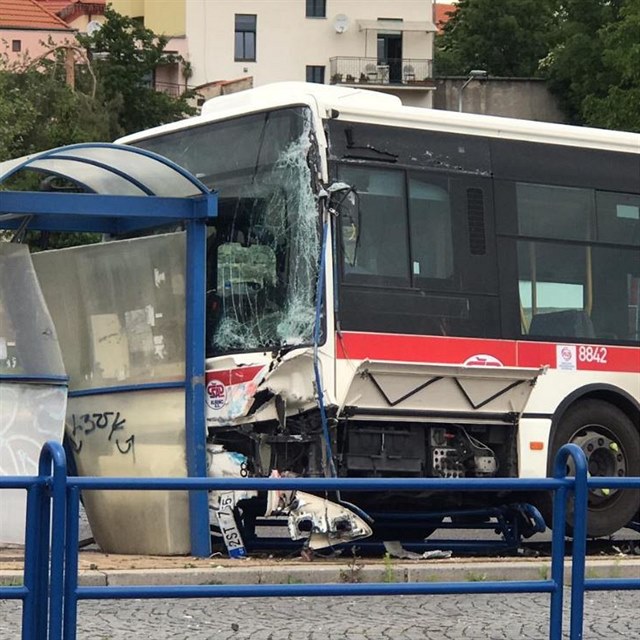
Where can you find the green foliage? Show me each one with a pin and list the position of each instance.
(505, 38)
(618, 107)
(389, 573)
(125, 56)
(575, 66)
(112, 96)
(38, 111)
(588, 50)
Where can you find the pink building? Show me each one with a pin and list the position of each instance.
(25, 28)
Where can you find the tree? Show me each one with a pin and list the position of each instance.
(111, 95)
(39, 111)
(595, 69)
(506, 38)
(125, 55)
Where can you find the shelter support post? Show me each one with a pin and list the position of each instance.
(195, 385)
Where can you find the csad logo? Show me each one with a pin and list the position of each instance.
(482, 360)
(216, 394)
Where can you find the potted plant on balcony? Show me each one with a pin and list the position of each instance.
(363, 78)
(350, 79)
(336, 78)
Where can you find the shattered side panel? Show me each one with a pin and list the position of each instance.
(231, 392)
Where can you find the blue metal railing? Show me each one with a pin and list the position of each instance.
(51, 591)
(44, 543)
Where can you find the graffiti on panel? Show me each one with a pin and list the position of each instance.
(110, 425)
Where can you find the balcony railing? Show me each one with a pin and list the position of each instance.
(171, 88)
(404, 72)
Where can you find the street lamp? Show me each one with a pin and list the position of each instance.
(474, 74)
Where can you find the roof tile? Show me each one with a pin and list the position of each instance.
(28, 14)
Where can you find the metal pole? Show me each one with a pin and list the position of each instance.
(71, 565)
(196, 435)
(51, 541)
(557, 551)
(579, 534)
(462, 88)
(579, 551)
(32, 549)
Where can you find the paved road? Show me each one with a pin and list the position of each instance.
(608, 616)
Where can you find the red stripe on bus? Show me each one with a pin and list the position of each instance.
(586, 357)
(446, 350)
(234, 376)
(408, 348)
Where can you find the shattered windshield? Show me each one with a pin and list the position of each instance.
(262, 253)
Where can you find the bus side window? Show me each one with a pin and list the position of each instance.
(378, 250)
(431, 229)
(551, 281)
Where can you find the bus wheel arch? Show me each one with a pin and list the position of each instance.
(604, 421)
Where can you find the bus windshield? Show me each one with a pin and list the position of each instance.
(262, 255)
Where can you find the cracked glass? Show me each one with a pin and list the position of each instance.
(263, 249)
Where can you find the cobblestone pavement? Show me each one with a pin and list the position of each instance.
(608, 616)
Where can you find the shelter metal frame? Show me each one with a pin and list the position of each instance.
(128, 190)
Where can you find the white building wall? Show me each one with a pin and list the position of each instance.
(287, 41)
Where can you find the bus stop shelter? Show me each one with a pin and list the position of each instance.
(126, 190)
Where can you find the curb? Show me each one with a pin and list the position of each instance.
(431, 571)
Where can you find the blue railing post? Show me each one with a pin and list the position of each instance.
(71, 570)
(32, 606)
(557, 555)
(579, 547)
(558, 538)
(579, 537)
(52, 462)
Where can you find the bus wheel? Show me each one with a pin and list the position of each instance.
(611, 444)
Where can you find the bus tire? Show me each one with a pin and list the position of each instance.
(611, 444)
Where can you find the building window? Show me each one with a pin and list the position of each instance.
(315, 74)
(245, 44)
(16, 45)
(316, 8)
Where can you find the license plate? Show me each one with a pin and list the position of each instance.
(228, 527)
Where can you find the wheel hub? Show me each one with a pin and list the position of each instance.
(604, 458)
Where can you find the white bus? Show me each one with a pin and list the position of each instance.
(397, 291)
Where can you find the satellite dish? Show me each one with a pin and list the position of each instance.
(92, 27)
(341, 23)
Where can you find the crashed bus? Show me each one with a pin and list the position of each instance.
(400, 292)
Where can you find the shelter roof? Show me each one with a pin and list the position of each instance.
(102, 167)
(29, 14)
(119, 174)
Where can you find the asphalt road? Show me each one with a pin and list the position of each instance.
(608, 616)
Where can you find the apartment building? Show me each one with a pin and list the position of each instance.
(387, 46)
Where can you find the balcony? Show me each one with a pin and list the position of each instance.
(394, 73)
(173, 89)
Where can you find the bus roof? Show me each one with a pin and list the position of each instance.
(362, 105)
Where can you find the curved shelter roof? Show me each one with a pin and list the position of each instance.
(119, 173)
